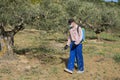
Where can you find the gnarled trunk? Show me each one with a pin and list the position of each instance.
(6, 48)
(7, 42)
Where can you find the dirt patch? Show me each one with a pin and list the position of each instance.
(51, 67)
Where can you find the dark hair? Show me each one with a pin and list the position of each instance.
(70, 21)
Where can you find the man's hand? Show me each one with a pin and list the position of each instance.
(74, 46)
(66, 46)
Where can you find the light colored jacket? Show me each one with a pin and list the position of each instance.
(74, 35)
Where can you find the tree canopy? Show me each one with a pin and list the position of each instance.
(53, 14)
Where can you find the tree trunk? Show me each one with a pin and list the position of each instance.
(98, 37)
(6, 48)
(7, 42)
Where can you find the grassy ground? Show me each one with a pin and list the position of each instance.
(41, 57)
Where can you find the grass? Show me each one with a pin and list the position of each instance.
(54, 70)
(104, 36)
(47, 49)
(5, 71)
(106, 47)
(41, 42)
(109, 36)
(116, 57)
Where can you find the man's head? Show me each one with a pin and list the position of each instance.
(71, 22)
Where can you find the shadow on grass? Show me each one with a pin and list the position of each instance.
(65, 61)
(117, 78)
(61, 40)
(91, 37)
(41, 49)
(58, 40)
(22, 51)
(104, 39)
(111, 40)
(40, 53)
(47, 58)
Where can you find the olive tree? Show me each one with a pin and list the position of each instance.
(12, 14)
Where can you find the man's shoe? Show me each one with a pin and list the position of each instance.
(67, 70)
(80, 72)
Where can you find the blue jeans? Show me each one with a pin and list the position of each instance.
(76, 53)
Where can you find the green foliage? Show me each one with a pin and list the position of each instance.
(5, 71)
(11, 10)
(35, 1)
(117, 57)
(72, 7)
(53, 14)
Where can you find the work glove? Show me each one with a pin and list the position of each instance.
(66, 46)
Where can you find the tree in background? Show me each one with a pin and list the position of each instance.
(11, 15)
(118, 2)
(52, 15)
(98, 17)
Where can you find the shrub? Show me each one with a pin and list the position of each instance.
(117, 57)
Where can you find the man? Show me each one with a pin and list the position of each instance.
(75, 43)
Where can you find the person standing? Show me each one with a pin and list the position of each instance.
(75, 43)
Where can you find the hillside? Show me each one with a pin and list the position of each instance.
(47, 60)
(35, 31)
